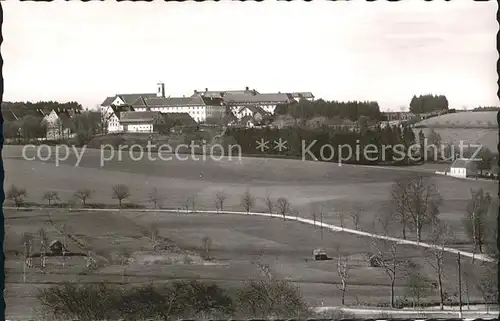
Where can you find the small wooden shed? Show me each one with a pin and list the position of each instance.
(319, 255)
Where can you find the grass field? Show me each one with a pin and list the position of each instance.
(237, 240)
(468, 127)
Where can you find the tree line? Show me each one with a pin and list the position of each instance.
(428, 103)
(376, 136)
(351, 110)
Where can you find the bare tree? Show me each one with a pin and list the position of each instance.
(487, 285)
(155, 197)
(220, 198)
(120, 192)
(83, 194)
(284, 206)
(153, 233)
(207, 244)
(341, 216)
(476, 218)
(187, 203)
(343, 273)
(17, 195)
(50, 197)
(355, 214)
(387, 253)
(44, 243)
(269, 203)
(193, 203)
(418, 286)
(440, 236)
(418, 197)
(248, 201)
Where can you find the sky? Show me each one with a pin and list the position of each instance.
(378, 51)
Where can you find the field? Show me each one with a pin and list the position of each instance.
(237, 240)
(469, 127)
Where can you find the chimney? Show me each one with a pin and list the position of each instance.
(160, 90)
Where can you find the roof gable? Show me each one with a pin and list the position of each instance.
(464, 163)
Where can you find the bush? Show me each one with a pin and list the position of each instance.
(100, 302)
(271, 299)
(85, 303)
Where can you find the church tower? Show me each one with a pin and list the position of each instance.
(160, 90)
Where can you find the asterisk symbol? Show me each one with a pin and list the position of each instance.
(262, 145)
(280, 144)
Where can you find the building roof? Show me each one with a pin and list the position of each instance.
(127, 98)
(108, 101)
(463, 163)
(222, 93)
(254, 109)
(258, 98)
(138, 116)
(197, 100)
(304, 94)
(180, 119)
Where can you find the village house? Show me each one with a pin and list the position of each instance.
(463, 167)
(140, 121)
(59, 123)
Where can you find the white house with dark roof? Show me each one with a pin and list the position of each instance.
(140, 121)
(463, 167)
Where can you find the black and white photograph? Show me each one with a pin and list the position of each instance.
(236, 160)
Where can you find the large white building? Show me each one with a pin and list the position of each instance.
(198, 107)
(236, 100)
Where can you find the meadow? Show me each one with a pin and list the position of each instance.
(237, 241)
(468, 127)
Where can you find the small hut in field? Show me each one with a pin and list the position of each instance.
(319, 255)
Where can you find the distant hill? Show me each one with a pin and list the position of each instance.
(478, 127)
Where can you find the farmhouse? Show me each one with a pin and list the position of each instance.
(140, 121)
(59, 123)
(463, 167)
